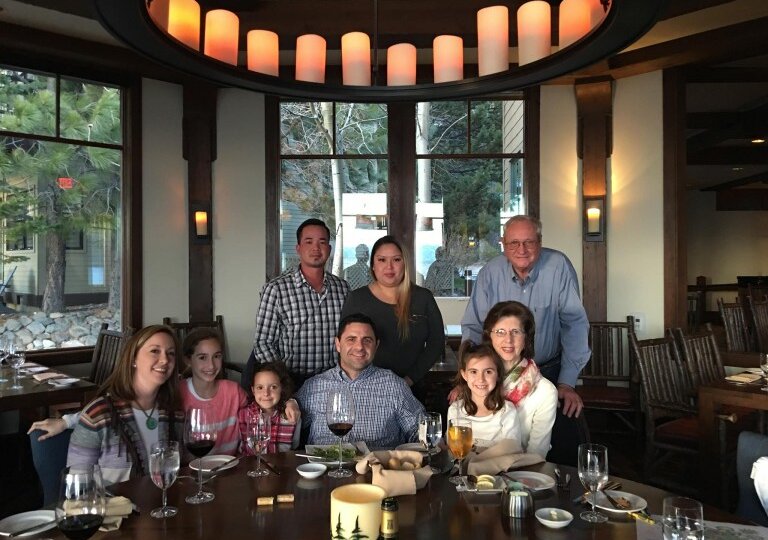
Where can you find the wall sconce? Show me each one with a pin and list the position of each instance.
(594, 219)
(200, 223)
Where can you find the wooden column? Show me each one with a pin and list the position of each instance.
(594, 102)
(402, 172)
(199, 149)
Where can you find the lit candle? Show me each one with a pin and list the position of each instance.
(534, 36)
(401, 64)
(593, 221)
(263, 52)
(492, 40)
(448, 58)
(184, 22)
(201, 223)
(310, 58)
(356, 59)
(575, 21)
(158, 10)
(222, 29)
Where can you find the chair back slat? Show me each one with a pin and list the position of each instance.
(664, 382)
(759, 310)
(611, 356)
(106, 353)
(737, 338)
(183, 329)
(700, 355)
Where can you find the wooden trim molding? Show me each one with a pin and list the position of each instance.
(532, 149)
(272, 184)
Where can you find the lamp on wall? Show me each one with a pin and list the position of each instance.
(594, 219)
(200, 223)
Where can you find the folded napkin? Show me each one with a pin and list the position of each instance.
(395, 482)
(118, 508)
(501, 456)
(47, 375)
(744, 377)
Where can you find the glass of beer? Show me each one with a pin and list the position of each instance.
(460, 443)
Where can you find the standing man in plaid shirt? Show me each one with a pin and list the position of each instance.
(300, 310)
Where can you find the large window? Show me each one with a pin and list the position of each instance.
(446, 190)
(60, 176)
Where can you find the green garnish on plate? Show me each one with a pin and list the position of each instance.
(332, 453)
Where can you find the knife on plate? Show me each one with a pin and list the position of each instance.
(26, 530)
(230, 463)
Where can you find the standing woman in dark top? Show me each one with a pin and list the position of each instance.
(407, 319)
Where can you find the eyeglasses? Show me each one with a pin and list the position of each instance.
(502, 333)
(514, 245)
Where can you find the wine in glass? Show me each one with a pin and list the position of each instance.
(81, 506)
(200, 438)
(764, 367)
(593, 473)
(259, 432)
(164, 461)
(15, 360)
(340, 416)
(460, 443)
(430, 433)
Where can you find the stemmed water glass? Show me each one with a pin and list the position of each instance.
(459, 441)
(764, 367)
(81, 506)
(593, 473)
(164, 461)
(340, 416)
(3, 355)
(430, 432)
(15, 360)
(258, 435)
(200, 438)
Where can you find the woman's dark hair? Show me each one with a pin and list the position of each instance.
(403, 306)
(512, 309)
(193, 339)
(494, 401)
(279, 369)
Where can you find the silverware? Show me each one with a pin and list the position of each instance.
(583, 498)
(269, 466)
(642, 515)
(231, 463)
(14, 534)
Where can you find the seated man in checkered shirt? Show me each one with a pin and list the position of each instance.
(386, 413)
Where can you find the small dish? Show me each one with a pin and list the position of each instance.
(65, 381)
(311, 470)
(554, 518)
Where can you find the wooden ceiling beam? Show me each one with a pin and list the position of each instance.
(703, 74)
(741, 199)
(730, 155)
(744, 123)
(744, 181)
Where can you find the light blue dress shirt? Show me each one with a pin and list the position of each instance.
(551, 292)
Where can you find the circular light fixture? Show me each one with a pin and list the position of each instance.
(626, 20)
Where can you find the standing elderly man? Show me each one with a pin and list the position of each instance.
(386, 413)
(544, 280)
(300, 310)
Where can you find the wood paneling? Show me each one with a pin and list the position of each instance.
(272, 184)
(532, 166)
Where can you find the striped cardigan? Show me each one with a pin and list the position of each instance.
(107, 435)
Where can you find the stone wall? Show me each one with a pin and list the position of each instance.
(78, 327)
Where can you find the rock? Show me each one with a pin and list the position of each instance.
(89, 341)
(78, 331)
(56, 315)
(71, 343)
(24, 320)
(36, 328)
(24, 336)
(12, 325)
(48, 344)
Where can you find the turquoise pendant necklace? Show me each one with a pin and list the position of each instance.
(150, 422)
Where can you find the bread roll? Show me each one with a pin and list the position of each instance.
(394, 464)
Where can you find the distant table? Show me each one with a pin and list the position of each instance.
(36, 394)
(711, 398)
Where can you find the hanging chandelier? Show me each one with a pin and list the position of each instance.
(208, 41)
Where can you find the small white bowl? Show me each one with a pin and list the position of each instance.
(311, 470)
(554, 518)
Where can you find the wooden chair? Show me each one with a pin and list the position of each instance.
(183, 329)
(106, 352)
(610, 381)
(737, 337)
(759, 312)
(700, 355)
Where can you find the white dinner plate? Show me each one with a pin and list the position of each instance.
(418, 447)
(34, 368)
(636, 503)
(312, 448)
(755, 370)
(28, 519)
(63, 381)
(532, 480)
(213, 461)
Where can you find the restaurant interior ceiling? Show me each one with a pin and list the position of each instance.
(718, 44)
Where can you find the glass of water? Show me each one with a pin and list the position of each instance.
(682, 519)
(164, 461)
(430, 433)
(15, 360)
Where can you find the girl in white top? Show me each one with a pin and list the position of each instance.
(510, 329)
(481, 397)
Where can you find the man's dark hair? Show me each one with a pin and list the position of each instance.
(312, 221)
(356, 318)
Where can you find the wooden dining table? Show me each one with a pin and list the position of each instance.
(40, 395)
(436, 511)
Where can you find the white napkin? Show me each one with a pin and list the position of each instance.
(47, 375)
(744, 377)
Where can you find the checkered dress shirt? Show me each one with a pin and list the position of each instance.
(386, 413)
(297, 324)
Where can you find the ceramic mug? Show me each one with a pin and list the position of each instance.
(356, 511)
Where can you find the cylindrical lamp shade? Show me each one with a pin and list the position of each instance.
(158, 10)
(575, 21)
(492, 40)
(448, 58)
(401, 64)
(263, 52)
(184, 22)
(310, 58)
(534, 35)
(356, 59)
(596, 12)
(222, 29)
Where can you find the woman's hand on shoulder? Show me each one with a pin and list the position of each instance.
(453, 395)
(51, 426)
(292, 411)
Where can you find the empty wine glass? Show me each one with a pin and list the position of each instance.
(682, 519)
(199, 438)
(81, 506)
(593, 473)
(259, 432)
(459, 441)
(15, 360)
(430, 432)
(340, 416)
(164, 461)
(764, 367)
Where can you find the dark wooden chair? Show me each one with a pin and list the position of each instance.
(758, 307)
(183, 329)
(700, 355)
(737, 336)
(610, 379)
(109, 343)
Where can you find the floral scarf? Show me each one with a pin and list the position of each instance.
(521, 381)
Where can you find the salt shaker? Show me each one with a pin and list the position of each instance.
(389, 523)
